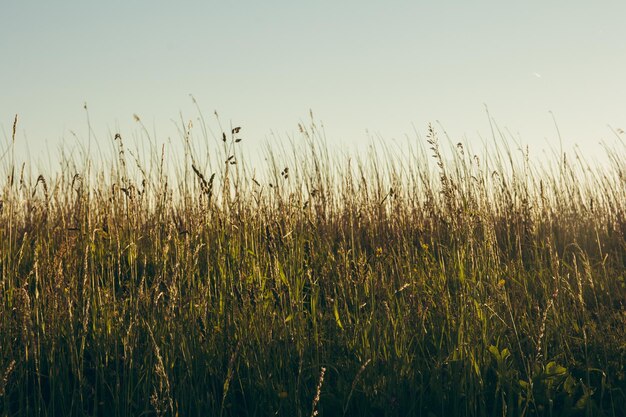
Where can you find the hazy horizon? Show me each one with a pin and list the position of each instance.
(365, 69)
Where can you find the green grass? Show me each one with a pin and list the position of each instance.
(424, 281)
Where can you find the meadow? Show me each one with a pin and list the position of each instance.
(418, 280)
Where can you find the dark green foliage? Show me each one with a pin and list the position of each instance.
(457, 288)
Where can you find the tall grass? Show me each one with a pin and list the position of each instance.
(423, 281)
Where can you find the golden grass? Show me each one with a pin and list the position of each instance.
(427, 285)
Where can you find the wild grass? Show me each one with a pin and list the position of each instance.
(422, 281)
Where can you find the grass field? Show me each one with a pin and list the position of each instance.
(425, 281)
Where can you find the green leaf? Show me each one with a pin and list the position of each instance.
(554, 369)
(337, 319)
(505, 353)
(495, 352)
(570, 385)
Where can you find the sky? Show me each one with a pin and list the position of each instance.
(365, 68)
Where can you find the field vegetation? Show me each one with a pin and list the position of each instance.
(418, 280)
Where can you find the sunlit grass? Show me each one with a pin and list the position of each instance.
(424, 281)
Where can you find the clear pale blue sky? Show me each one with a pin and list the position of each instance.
(380, 66)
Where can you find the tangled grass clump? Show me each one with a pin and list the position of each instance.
(471, 286)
